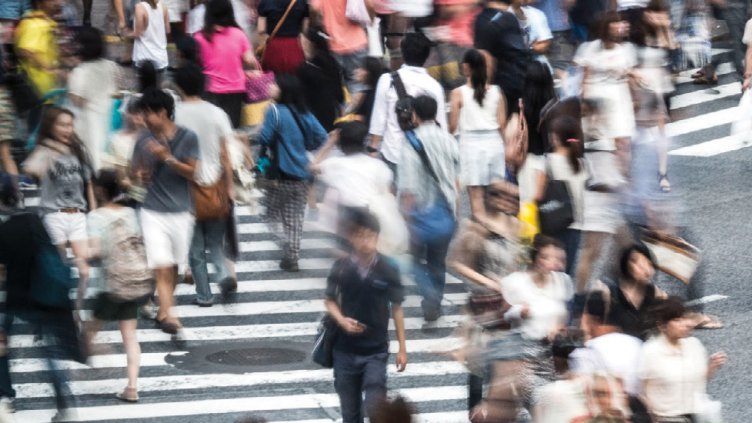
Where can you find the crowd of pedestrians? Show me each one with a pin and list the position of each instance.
(537, 179)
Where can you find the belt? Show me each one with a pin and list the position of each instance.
(70, 210)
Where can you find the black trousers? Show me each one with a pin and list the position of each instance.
(231, 103)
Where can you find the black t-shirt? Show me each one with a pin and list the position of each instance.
(632, 320)
(20, 236)
(322, 87)
(500, 34)
(367, 300)
(273, 10)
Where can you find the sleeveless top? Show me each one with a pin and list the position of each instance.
(473, 116)
(633, 320)
(152, 44)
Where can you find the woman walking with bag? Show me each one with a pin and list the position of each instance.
(479, 112)
(290, 130)
(280, 50)
(114, 235)
(225, 53)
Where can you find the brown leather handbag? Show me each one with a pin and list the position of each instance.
(211, 202)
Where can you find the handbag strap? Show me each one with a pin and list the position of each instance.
(399, 86)
(282, 20)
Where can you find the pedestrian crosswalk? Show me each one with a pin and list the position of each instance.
(178, 382)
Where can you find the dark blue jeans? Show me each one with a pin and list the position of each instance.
(207, 246)
(429, 269)
(571, 240)
(355, 375)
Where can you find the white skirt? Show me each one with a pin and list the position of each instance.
(481, 157)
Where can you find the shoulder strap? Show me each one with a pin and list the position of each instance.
(282, 20)
(399, 86)
(417, 145)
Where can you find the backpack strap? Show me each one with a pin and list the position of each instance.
(398, 85)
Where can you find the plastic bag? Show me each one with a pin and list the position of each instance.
(357, 12)
(742, 126)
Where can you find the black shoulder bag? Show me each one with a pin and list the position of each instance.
(555, 210)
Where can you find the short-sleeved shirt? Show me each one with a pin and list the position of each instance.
(500, 34)
(212, 126)
(273, 10)
(536, 30)
(556, 14)
(606, 65)
(35, 33)
(62, 177)
(366, 299)
(168, 191)
(222, 58)
(747, 37)
(346, 36)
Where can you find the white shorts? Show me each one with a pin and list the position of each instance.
(66, 227)
(167, 238)
(481, 157)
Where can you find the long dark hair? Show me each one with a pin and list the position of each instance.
(291, 92)
(322, 55)
(569, 133)
(374, 69)
(539, 90)
(218, 13)
(478, 73)
(46, 133)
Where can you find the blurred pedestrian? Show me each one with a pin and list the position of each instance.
(321, 78)
(282, 53)
(290, 130)
(537, 32)
(8, 118)
(675, 361)
(565, 163)
(150, 29)
(478, 112)
(499, 36)
(214, 130)
(61, 164)
(24, 244)
(225, 53)
(91, 86)
(561, 50)
(108, 226)
(361, 291)
(387, 138)
(368, 75)
(428, 188)
(348, 40)
(165, 160)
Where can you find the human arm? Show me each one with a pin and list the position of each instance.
(540, 47)
(715, 362)
(261, 30)
(140, 21)
(6, 159)
(349, 325)
(166, 16)
(540, 185)
(185, 167)
(324, 151)
(90, 197)
(120, 14)
(399, 326)
(501, 113)
(747, 68)
(455, 100)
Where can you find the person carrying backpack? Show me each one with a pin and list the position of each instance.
(115, 237)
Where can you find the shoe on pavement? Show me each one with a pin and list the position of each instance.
(201, 303)
(128, 395)
(167, 326)
(63, 416)
(228, 285)
(289, 265)
(431, 311)
(8, 405)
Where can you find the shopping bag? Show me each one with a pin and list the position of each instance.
(528, 217)
(673, 255)
(323, 347)
(742, 126)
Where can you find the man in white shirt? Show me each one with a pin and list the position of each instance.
(213, 128)
(386, 135)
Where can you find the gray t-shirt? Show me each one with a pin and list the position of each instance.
(62, 177)
(167, 191)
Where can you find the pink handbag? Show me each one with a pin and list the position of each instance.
(257, 86)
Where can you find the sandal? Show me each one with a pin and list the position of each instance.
(128, 395)
(707, 321)
(663, 182)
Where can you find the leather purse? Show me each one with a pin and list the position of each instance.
(211, 202)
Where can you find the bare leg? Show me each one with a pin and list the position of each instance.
(590, 251)
(505, 393)
(132, 350)
(477, 205)
(166, 280)
(81, 255)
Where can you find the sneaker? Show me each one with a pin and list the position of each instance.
(201, 303)
(289, 265)
(431, 311)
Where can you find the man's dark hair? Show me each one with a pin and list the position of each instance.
(425, 107)
(190, 79)
(667, 310)
(352, 137)
(154, 100)
(597, 307)
(91, 44)
(109, 183)
(416, 48)
(363, 219)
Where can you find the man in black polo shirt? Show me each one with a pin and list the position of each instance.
(360, 291)
(498, 34)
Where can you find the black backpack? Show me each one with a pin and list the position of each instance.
(404, 107)
(555, 210)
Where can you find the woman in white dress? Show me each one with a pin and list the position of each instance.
(90, 87)
(478, 111)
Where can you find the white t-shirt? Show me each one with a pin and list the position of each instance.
(536, 29)
(674, 376)
(358, 179)
(615, 353)
(561, 169)
(212, 126)
(547, 305)
(196, 19)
